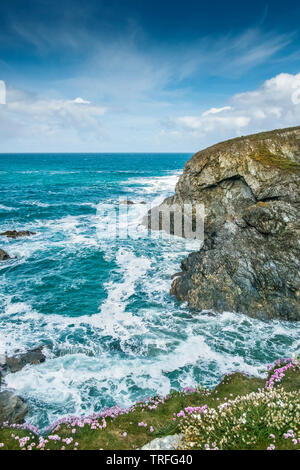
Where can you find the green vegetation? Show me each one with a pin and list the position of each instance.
(278, 160)
(271, 408)
(260, 144)
(259, 420)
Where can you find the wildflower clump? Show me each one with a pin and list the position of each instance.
(256, 420)
(242, 412)
(278, 370)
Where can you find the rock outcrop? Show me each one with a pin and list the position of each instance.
(13, 408)
(3, 255)
(16, 362)
(164, 443)
(15, 234)
(250, 259)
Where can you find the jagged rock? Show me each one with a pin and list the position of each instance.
(250, 260)
(129, 203)
(13, 408)
(3, 255)
(18, 361)
(15, 234)
(164, 443)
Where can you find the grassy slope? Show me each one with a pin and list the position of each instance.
(261, 148)
(160, 418)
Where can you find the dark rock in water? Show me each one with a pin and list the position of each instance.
(13, 408)
(129, 203)
(18, 361)
(14, 234)
(3, 255)
(176, 275)
(250, 260)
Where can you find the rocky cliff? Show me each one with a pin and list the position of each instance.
(250, 259)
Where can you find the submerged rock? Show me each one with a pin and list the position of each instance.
(250, 260)
(3, 255)
(127, 202)
(13, 408)
(15, 234)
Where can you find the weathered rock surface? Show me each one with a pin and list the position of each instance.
(3, 255)
(18, 361)
(13, 409)
(15, 234)
(250, 260)
(164, 443)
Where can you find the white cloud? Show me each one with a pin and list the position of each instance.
(273, 105)
(216, 110)
(30, 123)
(2, 92)
(30, 118)
(80, 101)
(206, 124)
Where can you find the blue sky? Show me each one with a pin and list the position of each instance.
(137, 75)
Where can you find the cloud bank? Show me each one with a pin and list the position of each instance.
(273, 105)
(46, 124)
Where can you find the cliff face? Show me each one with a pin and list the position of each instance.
(250, 259)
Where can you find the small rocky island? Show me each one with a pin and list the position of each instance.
(17, 234)
(250, 259)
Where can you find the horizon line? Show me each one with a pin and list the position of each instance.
(93, 153)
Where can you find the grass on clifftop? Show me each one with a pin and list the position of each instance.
(159, 417)
(266, 157)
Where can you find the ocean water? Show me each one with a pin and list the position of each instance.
(101, 304)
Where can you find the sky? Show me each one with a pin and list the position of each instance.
(145, 75)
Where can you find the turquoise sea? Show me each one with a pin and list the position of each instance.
(101, 304)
